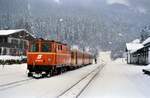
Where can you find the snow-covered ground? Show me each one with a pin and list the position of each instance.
(116, 80)
(119, 80)
(12, 73)
(77, 89)
(42, 88)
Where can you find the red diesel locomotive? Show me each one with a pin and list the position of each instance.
(47, 58)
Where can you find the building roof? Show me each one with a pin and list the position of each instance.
(146, 41)
(136, 41)
(133, 46)
(8, 32)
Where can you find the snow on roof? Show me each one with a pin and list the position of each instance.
(136, 41)
(8, 32)
(133, 46)
(146, 41)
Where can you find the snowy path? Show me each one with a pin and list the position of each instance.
(119, 80)
(47, 87)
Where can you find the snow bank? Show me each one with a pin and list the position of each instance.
(9, 57)
(9, 60)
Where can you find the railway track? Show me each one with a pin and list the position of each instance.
(14, 84)
(76, 89)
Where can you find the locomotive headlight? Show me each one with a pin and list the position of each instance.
(49, 59)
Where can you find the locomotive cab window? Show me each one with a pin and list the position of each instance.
(59, 47)
(46, 47)
(34, 47)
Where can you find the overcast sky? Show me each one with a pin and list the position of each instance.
(136, 5)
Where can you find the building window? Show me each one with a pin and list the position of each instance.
(0, 51)
(21, 44)
(14, 41)
(3, 39)
(25, 46)
(13, 52)
(4, 51)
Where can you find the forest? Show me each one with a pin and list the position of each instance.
(99, 25)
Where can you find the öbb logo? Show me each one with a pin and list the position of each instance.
(39, 56)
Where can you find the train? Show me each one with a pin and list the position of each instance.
(48, 57)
